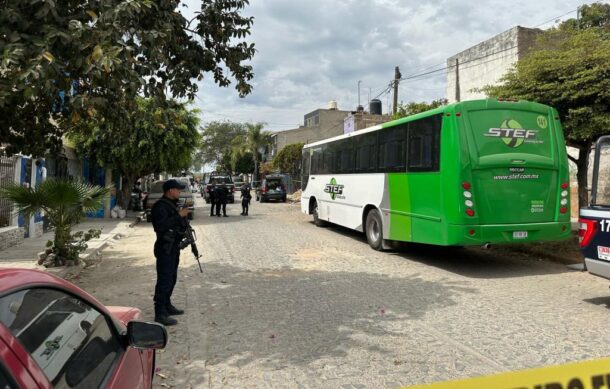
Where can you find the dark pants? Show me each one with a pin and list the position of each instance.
(167, 275)
(212, 206)
(224, 208)
(245, 204)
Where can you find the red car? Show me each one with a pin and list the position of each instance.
(55, 335)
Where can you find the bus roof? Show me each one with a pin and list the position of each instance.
(435, 111)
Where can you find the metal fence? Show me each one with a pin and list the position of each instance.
(7, 176)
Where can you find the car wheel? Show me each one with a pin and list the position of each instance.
(374, 230)
(316, 217)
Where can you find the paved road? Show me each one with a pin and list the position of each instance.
(283, 303)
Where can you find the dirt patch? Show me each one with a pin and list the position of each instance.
(566, 252)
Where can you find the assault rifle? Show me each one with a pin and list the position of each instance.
(189, 239)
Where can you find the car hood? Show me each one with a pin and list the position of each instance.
(125, 314)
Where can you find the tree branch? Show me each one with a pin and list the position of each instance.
(575, 160)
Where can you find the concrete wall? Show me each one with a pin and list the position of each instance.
(486, 63)
(10, 236)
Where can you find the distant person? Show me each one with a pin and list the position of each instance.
(221, 200)
(245, 199)
(213, 198)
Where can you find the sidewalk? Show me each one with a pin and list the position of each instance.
(25, 255)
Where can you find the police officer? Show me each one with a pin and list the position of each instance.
(213, 199)
(166, 219)
(221, 200)
(245, 199)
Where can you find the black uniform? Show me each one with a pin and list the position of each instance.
(213, 200)
(169, 230)
(245, 199)
(221, 200)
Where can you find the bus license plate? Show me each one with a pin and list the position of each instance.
(603, 252)
(519, 234)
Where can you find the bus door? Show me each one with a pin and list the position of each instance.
(517, 168)
(594, 232)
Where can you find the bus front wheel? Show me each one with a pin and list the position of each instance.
(374, 231)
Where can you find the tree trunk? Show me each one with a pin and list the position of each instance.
(128, 182)
(582, 165)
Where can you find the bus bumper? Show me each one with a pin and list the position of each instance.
(473, 235)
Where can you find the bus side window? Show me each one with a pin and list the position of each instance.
(424, 144)
(392, 154)
(366, 153)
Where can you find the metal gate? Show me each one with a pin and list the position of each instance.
(7, 177)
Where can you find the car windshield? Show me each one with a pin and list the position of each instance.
(220, 180)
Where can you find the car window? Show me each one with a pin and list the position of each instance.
(72, 343)
(6, 381)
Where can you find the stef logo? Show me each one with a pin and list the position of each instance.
(512, 133)
(333, 189)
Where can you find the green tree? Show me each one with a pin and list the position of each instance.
(414, 107)
(254, 141)
(242, 163)
(65, 203)
(158, 137)
(63, 62)
(218, 142)
(568, 69)
(289, 159)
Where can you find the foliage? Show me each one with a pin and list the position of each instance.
(65, 202)
(217, 143)
(413, 107)
(244, 164)
(157, 137)
(252, 142)
(569, 69)
(63, 62)
(289, 158)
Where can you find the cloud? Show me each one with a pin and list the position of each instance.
(310, 52)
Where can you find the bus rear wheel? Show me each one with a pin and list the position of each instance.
(373, 230)
(316, 217)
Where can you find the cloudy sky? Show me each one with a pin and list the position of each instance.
(311, 52)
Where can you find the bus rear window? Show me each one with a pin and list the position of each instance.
(511, 131)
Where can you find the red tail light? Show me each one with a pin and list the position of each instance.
(470, 212)
(563, 209)
(587, 231)
(565, 186)
(466, 185)
(264, 189)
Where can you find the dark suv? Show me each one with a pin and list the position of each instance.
(220, 180)
(272, 188)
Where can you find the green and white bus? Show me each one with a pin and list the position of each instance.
(471, 173)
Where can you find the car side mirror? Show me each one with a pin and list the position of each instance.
(144, 335)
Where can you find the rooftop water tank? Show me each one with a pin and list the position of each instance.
(332, 105)
(375, 107)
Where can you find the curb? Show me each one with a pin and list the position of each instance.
(73, 272)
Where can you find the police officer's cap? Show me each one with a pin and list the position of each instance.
(171, 184)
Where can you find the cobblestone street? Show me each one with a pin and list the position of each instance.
(282, 303)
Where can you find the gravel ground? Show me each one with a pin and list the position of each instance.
(283, 303)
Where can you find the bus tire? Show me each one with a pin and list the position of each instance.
(374, 230)
(316, 218)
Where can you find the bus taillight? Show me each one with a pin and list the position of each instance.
(565, 186)
(586, 231)
(466, 185)
(470, 212)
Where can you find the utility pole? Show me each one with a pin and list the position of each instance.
(359, 81)
(397, 76)
(457, 80)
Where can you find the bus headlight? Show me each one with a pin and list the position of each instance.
(564, 201)
(467, 194)
(564, 193)
(469, 203)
